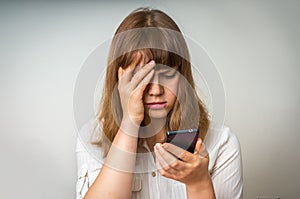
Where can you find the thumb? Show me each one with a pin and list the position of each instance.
(198, 146)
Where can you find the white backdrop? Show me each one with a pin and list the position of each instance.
(255, 45)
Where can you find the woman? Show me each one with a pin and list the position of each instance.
(149, 90)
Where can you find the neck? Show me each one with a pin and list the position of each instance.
(157, 128)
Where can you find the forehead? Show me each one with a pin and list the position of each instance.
(165, 68)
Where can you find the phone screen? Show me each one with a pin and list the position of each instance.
(185, 139)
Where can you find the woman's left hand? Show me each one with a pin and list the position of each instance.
(178, 164)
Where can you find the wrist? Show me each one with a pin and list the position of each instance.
(202, 185)
(129, 127)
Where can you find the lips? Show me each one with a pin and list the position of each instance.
(156, 105)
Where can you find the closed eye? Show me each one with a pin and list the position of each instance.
(169, 75)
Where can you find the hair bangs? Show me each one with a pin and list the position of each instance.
(164, 57)
(161, 45)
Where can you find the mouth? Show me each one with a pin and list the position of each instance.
(156, 105)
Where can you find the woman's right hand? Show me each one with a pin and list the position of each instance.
(131, 89)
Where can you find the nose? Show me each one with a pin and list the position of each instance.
(154, 88)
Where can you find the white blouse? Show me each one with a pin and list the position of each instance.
(225, 166)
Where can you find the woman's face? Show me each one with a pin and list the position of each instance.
(160, 94)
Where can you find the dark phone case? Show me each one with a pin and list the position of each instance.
(185, 139)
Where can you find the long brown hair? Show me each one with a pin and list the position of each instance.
(122, 52)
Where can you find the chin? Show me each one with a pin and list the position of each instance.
(157, 113)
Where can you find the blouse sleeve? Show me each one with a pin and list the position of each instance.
(88, 167)
(227, 171)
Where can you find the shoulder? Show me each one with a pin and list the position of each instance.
(220, 135)
(225, 161)
(87, 134)
(222, 144)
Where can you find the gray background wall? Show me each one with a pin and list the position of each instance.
(255, 45)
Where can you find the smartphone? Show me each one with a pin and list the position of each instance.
(185, 139)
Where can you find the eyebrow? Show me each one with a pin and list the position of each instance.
(164, 69)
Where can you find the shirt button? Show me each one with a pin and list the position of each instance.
(153, 174)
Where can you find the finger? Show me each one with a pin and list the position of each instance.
(139, 90)
(137, 68)
(161, 170)
(198, 146)
(161, 163)
(128, 72)
(124, 75)
(157, 162)
(142, 73)
(167, 157)
(203, 152)
(144, 82)
(120, 73)
(135, 62)
(167, 172)
(165, 164)
(178, 152)
(201, 149)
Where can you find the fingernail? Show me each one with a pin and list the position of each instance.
(152, 63)
(157, 146)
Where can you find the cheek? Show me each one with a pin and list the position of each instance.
(171, 90)
(171, 98)
(171, 86)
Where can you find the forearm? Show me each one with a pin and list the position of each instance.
(203, 190)
(116, 176)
